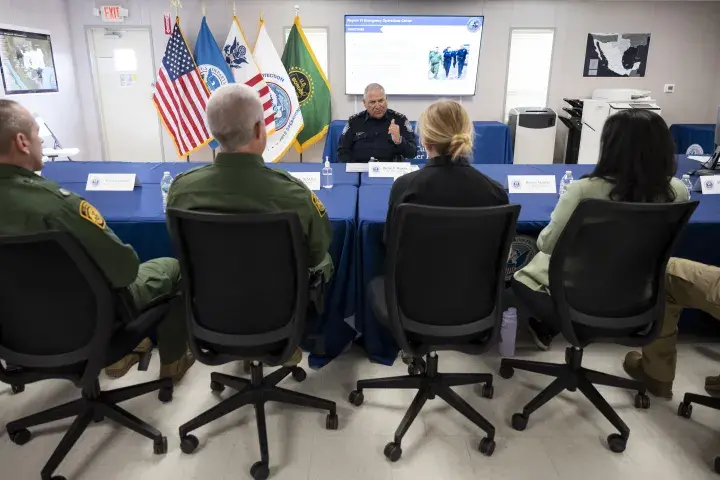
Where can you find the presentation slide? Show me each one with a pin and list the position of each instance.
(412, 55)
(26, 62)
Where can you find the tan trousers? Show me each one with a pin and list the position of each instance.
(689, 284)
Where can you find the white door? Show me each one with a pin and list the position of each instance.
(124, 74)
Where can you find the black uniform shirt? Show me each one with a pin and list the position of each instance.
(365, 137)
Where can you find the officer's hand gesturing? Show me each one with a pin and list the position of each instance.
(394, 132)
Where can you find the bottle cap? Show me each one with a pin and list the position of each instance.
(166, 173)
(568, 171)
(686, 175)
(327, 163)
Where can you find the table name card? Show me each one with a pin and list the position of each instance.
(389, 169)
(111, 182)
(310, 179)
(710, 184)
(356, 167)
(532, 184)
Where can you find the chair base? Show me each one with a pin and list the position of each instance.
(572, 376)
(95, 405)
(256, 392)
(425, 378)
(685, 410)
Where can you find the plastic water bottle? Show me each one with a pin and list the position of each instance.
(165, 188)
(373, 159)
(327, 178)
(508, 330)
(565, 182)
(688, 184)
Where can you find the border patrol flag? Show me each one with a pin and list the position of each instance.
(311, 85)
(211, 63)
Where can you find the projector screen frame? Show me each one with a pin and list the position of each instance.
(477, 70)
(29, 31)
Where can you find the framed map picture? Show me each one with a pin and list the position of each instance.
(616, 54)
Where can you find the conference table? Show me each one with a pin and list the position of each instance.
(492, 143)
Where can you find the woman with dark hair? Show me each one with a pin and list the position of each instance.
(636, 164)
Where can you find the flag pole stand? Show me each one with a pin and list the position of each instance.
(301, 161)
(187, 159)
(214, 154)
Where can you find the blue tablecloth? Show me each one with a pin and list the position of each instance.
(686, 134)
(699, 241)
(153, 172)
(492, 142)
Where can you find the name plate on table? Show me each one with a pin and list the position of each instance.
(111, 182)
(310, 179)
(709, 184)
(532, 184)
(389, 169)
(356, 167)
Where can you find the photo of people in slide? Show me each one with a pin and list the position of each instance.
(449, 64)
(27, 62)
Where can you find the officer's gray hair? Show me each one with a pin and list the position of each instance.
(13, 120)
(232, 113)
(371, 88)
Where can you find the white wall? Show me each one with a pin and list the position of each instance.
(684, 48)
(60, 110)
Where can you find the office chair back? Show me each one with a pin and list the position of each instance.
(56, 307)
(245, 279)
(445, 270)
(608, 267)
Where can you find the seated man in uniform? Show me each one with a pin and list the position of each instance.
(31, 204)
(377, 132)
(687, 285)
(238, 179)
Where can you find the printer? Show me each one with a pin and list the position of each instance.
(596, 110)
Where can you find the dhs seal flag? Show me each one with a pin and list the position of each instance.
(522, 250)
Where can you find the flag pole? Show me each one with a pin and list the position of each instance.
(234, 9)
(297, 11)
(178, 5)
(204, 9)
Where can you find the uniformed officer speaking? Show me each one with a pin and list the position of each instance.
(377, 132)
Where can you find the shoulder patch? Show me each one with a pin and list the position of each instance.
(91, 214)
(318, 204)
(347, 127)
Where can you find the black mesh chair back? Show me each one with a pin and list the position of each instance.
(56, 307)
(445, 272)
(246, 282)
(608, 267)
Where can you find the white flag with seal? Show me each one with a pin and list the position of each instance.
(286, 107)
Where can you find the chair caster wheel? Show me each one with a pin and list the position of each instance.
(487, 446)
(160, 446)
(506, 372)
(519, 422)
(685, 410)
(17, 389)
(165, 394)
(332, 422)
(299, 374)
(189, 443)
(617, 443)
(21, 437)
(392, 451)
(488, 391)
(260, 471)
(642, 401)
(717, 464)
(356, 398)
(217, 386)
(415, 369)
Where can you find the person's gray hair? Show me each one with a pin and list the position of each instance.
(371, 88)
(14, 119)
(232, 113)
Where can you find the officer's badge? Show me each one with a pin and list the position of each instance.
(91, 214)
(347, 127)
(522, 250)
(318, 204)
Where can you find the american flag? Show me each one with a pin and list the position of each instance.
(181, 96)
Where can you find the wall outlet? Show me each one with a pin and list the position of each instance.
(669, 88)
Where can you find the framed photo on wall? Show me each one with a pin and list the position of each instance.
(616, 54)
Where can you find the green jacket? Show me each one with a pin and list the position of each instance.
(435, 58)
(31, 204)
(242, 183)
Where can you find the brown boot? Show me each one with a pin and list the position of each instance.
(123, 366)
(633, 367)
(712, 385)
(295, 359)
(177, 369)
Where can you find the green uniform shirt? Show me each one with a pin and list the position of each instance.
(240, 182)
(31, 204)
(435, 58)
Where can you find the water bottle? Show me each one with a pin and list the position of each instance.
(165, 188)
(327, 178)
(508, 331)
(373, 159)
(565, 182)
(688, 184)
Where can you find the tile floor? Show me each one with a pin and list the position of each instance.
(564, 440)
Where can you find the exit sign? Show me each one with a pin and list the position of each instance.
(113, 13)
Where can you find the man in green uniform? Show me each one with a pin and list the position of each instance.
(238, 180)
(435, 60)
(31, 204)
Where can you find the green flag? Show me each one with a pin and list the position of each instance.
(311, 85)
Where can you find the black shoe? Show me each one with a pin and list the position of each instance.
(542, 339)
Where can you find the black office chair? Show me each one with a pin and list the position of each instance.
(246, 284)
(59, 320)
(685, 410)
(607, 285)
(442, 291)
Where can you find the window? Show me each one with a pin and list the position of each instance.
(125, 60)
(528, 76)
(318, 40)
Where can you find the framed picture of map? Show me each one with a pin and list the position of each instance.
(27, 64)
(616, 54)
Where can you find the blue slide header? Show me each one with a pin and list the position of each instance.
(373, 23)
